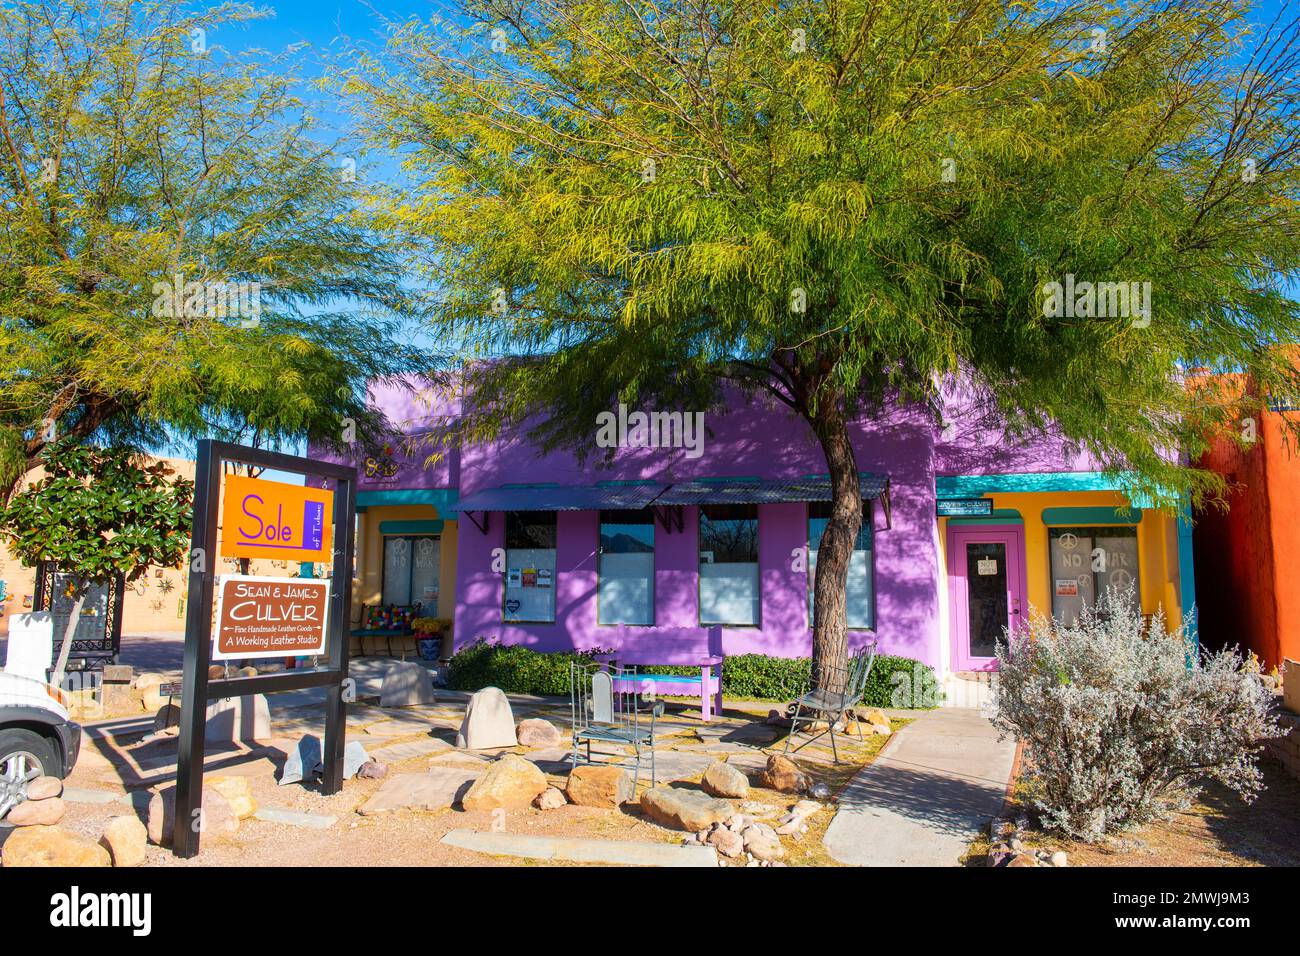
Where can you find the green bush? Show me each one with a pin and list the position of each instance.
(513, 668)
(518, 670)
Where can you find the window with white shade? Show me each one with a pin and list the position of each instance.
(859, 589)
(729, 579)
(1088, 562)
(530, 567)
(411, 567)
(626, 568)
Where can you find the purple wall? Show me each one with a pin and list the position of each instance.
(751, 440)
(761, 439)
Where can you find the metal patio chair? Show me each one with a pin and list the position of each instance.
(841, 692)
(605, 707)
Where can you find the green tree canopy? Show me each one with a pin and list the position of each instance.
(139, 156)
(848, 204)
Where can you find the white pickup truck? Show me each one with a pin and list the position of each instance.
(37, 738)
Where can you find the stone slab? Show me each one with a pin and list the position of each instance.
(313, 821)
(578, 850)
(437, 789)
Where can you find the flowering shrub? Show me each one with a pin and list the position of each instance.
(1121, 723)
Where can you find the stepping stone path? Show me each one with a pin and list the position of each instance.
(438, 789)
(680, 809)
(396, 753)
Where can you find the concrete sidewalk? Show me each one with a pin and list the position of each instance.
(938, 781)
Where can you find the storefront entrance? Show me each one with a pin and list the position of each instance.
(986, 589)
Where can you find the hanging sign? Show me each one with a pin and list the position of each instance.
(270, 617)
(270, 519)
(964, 507)
(987, 566)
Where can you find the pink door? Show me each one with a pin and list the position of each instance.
(986, 590)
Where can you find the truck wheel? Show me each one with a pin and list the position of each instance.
(24, 756)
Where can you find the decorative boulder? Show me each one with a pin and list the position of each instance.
(407, 684)
(536, 732)
(37, 813)
(596, 786)
(762, 842)
(488, 722)
(51, 847)
(217, 819)
(238, 792)
(783, 774)
(729, 844)
(148, 685)
(167, 719)
(42, 788)
(510, 782)
(724, 780)
(238, 720)
(550, 799)
(684, 809)
(125, 838)
(874, 716)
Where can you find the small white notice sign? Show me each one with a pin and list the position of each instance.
(987, 566)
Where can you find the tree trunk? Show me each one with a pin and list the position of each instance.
(56, 679)
(830, 617)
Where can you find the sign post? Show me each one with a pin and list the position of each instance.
(263, 617)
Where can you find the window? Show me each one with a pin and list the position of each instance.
(530, 567)
(729, 589)
(1087, 561)
(860, 592)
(411, 570)
(625, 592)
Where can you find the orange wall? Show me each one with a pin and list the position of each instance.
(1247, 559)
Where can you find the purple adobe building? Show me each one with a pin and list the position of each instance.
(671, 556)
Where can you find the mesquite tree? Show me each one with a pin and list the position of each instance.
(849, 204)
(97, 512)
(178, 251)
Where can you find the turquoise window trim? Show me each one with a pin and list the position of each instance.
(1070, 517)
(433, 526)
(444, 499)
(976, 486)
(999, 516)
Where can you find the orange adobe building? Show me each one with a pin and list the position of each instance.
(1248, 559)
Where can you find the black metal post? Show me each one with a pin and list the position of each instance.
(198, 652)
(345, 509)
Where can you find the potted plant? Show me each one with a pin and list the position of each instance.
(429, 632)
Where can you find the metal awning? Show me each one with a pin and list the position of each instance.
(617, 496)
(632, 496)
(745, 491)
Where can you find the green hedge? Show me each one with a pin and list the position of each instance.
(518, 670)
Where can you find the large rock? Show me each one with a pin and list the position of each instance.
(148, 686)
(125, 839)
(238, 792)
(510, 782)
(596, 786)
(684, 809)
(724, 780)
(488, 722)
(42, 788)
(167, 719)
(37, 813)
(783, 774)
(536, 732)
(50, 847)
(217, 819)
(238, 720)
(407, 684)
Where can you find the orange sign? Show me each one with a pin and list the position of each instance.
(269, 519)
(270, 617)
